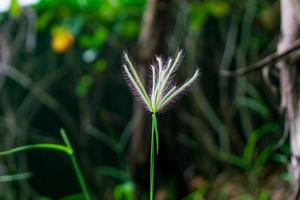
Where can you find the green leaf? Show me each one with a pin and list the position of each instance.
(280, 158)
(15, 9)
(246, 197)
(264, 195)
(73, 197)
(255, 137)
(286, 176)
(99, 66)
(199, 194)
(95, 40)
(55, 147)
(108, 11)
(15, 177)
(198, 16)
(254, 105)
(124, 191)
(128, 28)
(217, 8)
(236, 161)
(84, 85)
(113, 172)
(262, 158)
(44, 19)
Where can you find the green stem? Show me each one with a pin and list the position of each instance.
(154, 121)
(154, 135)
(80, 177)
(57, 147)
(76, 166)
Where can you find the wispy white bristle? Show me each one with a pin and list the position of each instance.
(179, 90)
(162, 92)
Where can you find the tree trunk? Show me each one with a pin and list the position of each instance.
(289, 83)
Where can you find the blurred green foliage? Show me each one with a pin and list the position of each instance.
(72, 79)
(15, 177)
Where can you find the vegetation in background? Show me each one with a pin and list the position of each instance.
(60, 67)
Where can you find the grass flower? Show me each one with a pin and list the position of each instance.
(162, 91)
(162, 88)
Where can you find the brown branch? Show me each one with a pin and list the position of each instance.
(269, 60)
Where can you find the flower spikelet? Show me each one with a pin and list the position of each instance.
(162, 89)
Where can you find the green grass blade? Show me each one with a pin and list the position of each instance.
(269, 128)
(80, 177)
(15, 177)
(56, 147)
(235, 160)
(65, 138)
(76, 166)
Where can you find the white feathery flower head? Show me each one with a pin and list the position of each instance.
(162, 89)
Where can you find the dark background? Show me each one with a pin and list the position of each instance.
(220, 141)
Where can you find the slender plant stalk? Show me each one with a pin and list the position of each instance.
(80, 177)
(76, 166)
(68, 149)
(162, 92)
(156, 132)
(152, 162)
(154, 137)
